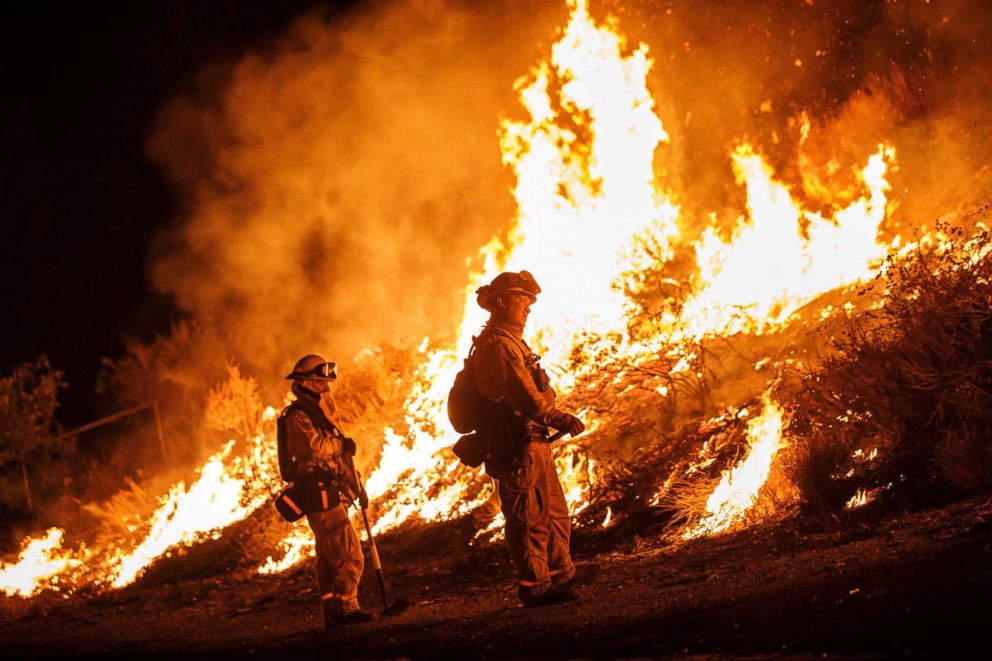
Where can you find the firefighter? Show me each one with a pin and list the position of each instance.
(508, 373)
(315, 442)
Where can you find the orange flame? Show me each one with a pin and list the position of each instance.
(296, 546)
(773, 266)
(739, 486)
(38, 567)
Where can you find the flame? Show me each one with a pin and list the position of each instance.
(226, 491)
(296, 546)
(739, 486)
(860, 498)
(212, 503)
(773, 266)
(38, 566)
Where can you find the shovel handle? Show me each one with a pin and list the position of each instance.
(373, 551)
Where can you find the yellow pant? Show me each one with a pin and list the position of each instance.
(339, 560)
(537, 521)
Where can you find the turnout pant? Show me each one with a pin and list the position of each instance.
(339, 560)
(537, 521)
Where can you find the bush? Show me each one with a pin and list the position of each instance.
(911, 379)
(28, 432)
(235, 406)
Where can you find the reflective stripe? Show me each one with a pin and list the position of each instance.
(289, 501)
(330, 595)
(529, 584)
(323, 497)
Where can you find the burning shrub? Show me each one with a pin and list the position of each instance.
(904, 399)
(235, 405)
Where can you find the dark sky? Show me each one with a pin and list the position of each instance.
(80, 83)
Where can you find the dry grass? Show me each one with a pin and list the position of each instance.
(234, 405)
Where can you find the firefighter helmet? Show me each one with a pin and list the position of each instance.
(313, 367)
(507, 283)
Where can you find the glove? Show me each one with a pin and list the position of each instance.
(567, 422)
(363, 498)
(348, 446)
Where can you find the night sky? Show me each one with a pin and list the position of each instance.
(81, 203)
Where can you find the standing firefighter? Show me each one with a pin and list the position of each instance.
(315, 446)
(522, 409)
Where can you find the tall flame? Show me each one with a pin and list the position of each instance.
(783, 257)
(582, 199)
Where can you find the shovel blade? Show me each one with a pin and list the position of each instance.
(397, 607)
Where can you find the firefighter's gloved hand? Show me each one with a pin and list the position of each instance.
(573, 425)
(348, 446)
(363, 498)
(567, 422)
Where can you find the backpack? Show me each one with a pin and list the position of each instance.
(467, 408)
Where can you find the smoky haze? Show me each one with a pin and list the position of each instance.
(338, 185)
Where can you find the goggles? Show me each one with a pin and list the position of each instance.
(321, 372)
(325, 371)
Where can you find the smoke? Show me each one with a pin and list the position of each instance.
(338, 184)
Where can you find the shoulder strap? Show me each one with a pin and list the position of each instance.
(475, 345)
(317, 416)
(287, 463)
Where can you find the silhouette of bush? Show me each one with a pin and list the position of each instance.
(902, 401)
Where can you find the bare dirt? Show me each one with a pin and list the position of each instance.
(910, 585)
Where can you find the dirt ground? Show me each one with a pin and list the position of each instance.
(914, 585)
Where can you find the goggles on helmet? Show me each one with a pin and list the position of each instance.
(321, 372)
(325, 371)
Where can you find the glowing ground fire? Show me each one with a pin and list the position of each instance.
(584, 202)
(739, 486)
(38, 566)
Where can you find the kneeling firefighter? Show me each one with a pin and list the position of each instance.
(316, 448)
(522, 408)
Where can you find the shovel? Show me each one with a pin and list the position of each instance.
(401, 604)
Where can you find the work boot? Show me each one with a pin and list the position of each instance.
(354, 617)
(549, 597)
(585, 573)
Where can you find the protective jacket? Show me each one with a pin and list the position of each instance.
(532, 500)
(316, 443)
(509, 373)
